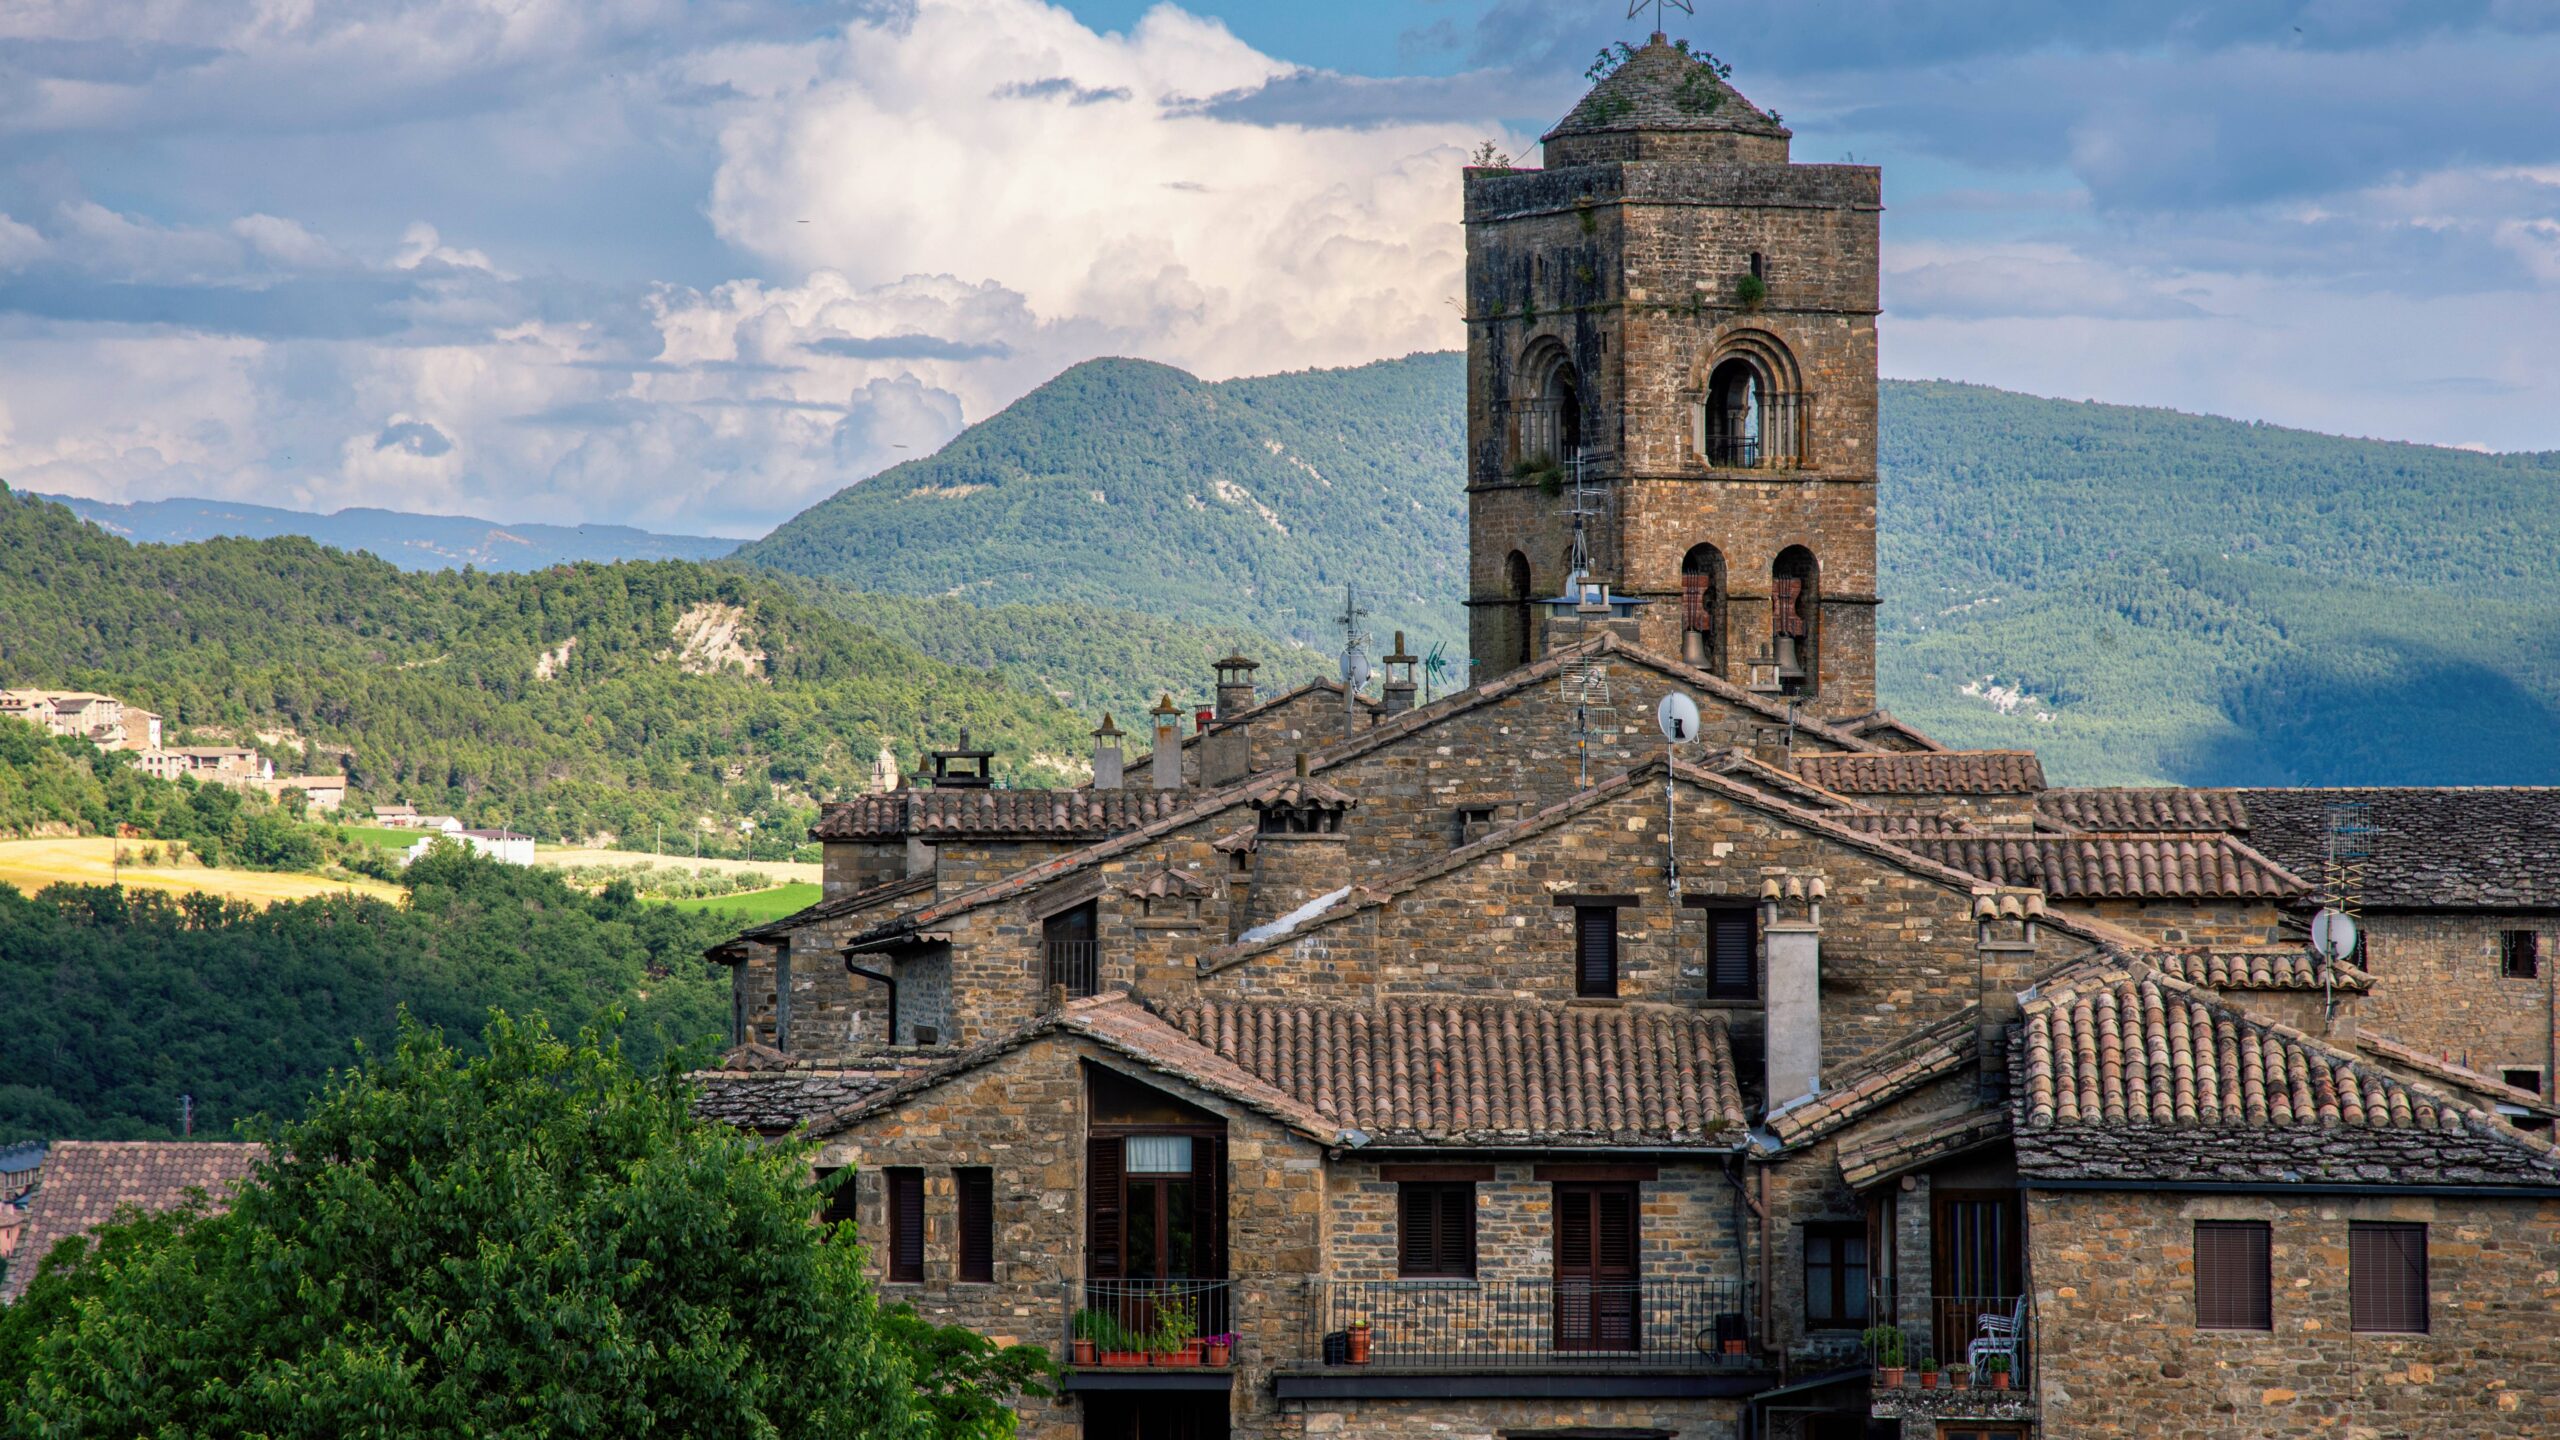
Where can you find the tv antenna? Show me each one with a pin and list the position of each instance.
(1434, 665)
(1677, 718)
(2345, 854)
(1638, 7)
(1355, 655)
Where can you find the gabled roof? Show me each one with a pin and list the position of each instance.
(1930, 1053)
(772, 1101)
(2487, 848)
(2144, 807)
(1124, 1025)
(1488, 1072)
(2446, 1070)
(86, 1181)
(841, 905)
(2266, 968)
(1897, 1149)
(2131, 1075)
(1883, 726)
(1661, 88)
(1138, 761)
(1750, 769)
(991, 814)
(2109, 867)
(1926, 772)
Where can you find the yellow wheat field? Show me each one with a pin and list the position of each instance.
(781, 871)
(31, 865)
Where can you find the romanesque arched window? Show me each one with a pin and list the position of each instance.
(1702, 625)
(1795, 619)
(1750, 412)
(1551, 421)
(1516, 585)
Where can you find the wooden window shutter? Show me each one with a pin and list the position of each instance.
(1102, 1200)
(1595, 949)
(1573, 1230)
(975, 1189)
(1613, 1223)
(2520, 954)
(1436, 1228)
(2387, 1277)
(1208, 1207)
(2234, 1290)
(906, 1223)
(1733, 969)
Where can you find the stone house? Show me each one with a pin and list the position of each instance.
(1499, 1066)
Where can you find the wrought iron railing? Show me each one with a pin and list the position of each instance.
(1076, 964)
(1131, 1323)
(1957, 1331)
(1505, 1324)
(1734, 452)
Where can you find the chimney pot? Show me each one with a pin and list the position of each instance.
(1165, 762)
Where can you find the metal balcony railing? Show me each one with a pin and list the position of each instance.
(1529, 1324)
(1076, 964)
(1131, 1323)
(1968, 1331)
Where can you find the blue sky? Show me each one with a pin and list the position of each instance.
(696, 265)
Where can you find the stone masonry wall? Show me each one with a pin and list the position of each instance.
(2190, 922)
(1687, 1230)
(1024, 1116)
(2121, 1354)
(1496, 1419)
(2437, 986)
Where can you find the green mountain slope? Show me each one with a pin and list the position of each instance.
(579, 699)
(410, 541)
(1132, 486)
(2150, 595)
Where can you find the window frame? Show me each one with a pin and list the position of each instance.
(973, 1190)
(1718, 908)
(1845, 1304)
(843, 1204)
(1448, 1200)
(2362, 1236)
(902, 1198)
(2219, 1315)
(1584, 912)
(2520, 954)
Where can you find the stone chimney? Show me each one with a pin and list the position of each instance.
(2004, 923)
(1106, 755)
(1791, 937)
(1397, 696)
(1300, 853)
(1165, 762)
(1235, 685)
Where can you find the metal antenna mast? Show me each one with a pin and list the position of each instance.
(1637, 7)
(2346, 855)
(1355, 657)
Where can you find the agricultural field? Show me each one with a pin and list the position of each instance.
(754, 907)
(31, 865)
(559, 857)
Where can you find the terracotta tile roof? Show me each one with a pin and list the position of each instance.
(1882, 726)
(2444, 1069)
(2132, 1075)
(993, 814)
(2106, 867)
(1893, 826)
(1930, 1053)
(1479, 1072)
(1297, 792)
(1742, 765)
(86, 1181)
(1137, 761)
(2271, 968)
(2144, 807)
(1925, 772)
(835, 909)
(2460, 849)
(1889, 1152)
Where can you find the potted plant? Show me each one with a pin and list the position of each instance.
(1220, 1348)
(1928, 1372)
(1176, 1339)
(1956, 1377)
(1116, 1346)
(1359, 1342)
(1997, 1367)
(1088, 1326)
(1884, 1346)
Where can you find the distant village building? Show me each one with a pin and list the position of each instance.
(211, 764)
(102, 720)
(83, 1183)
(504, 846)
(319, 792)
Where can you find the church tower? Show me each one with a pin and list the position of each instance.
(1671, 342)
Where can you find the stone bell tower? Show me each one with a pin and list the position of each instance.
(1671, 339)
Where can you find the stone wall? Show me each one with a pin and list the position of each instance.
(2437, 986)
(2120, 1354)
(2191, 922)
(1687, 1230)
(1496, 1419)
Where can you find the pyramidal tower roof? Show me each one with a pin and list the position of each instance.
(1664, 104)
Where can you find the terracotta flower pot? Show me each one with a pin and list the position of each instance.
(1928, 1379)
(2000, 1380)
(1890, 1377)
(1217, 1355)
(1083, 1351)
(1123, 1359)
(1736, 1347)
(1360, 1345)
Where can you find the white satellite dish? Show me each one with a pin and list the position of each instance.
(2333, 935)
(1677, 716)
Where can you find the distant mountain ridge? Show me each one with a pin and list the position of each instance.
(410, 541)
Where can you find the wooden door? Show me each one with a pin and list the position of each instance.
(1974, 1263)
(1597, 1282)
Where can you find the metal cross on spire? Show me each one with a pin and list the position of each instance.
(1637, 7)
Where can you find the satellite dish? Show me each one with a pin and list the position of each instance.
(1355, 669)
(2333, 935)
(1677, 716)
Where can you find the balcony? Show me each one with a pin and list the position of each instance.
(1531, 1338)
(1985, 1339)
(1168, 1334)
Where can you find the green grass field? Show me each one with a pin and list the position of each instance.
(756, 905)
(382, 836)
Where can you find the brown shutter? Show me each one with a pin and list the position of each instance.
(976, 1192)
(1458, 1229)
(906, 1224)
(2387, 1277)
(2234, 1290)
(1596, 949)
(1208, 1207)
(1732, 968)
(1102, 1207)
(1417, 1230)
(1436, 1228)
(1573, 1231)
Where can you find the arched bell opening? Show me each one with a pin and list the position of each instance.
(1702, 618)
(1516, 584)
(1795, 619)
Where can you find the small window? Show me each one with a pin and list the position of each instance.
(1159, 1155)
(1733, 960)
(1436, 1228)
(2520, 954)
(1595, 949)
(2387, 1277)
(2523, 1079)
(1474, 823)
(905, 1187)
(1835, 1274)
(974, 1187)
(1759, 266)
(838, 1206)
(2234, 1290)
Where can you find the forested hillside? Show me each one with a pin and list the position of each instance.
(581, 699)
(412, 542)
(2139, 594)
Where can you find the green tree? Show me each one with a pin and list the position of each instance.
(534, 1241)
